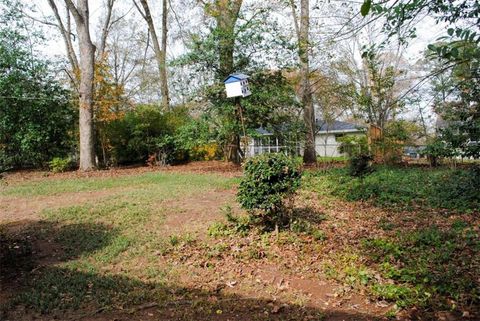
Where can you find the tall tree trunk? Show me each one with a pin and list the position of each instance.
(226, 14)
(163, 65)
(87, 64)
(302, 29)
(160, 51)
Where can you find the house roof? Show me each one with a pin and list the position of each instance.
(235, 77)
(337, 126)
(262, 131)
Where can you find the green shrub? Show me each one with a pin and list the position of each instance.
(360, 165)
(268, 181)
(353, 145)
(58, 164)
(436, 150)
(37, 121)
(148, 134)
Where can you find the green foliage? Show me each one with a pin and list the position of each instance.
(456, 59)
(353, 145)
(235, 225)
(424, 266)
(404, 188)
(402, 131)
(58, 164)
(148, 133)
(365, 7)
(360, 165)
(231, 43)
(403, 296)
(375, 98)
(36, 117)
(272, 106)
(269, 179)
(436, 150)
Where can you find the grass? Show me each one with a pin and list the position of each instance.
(330, 159)
(141, 182)
(405, 188)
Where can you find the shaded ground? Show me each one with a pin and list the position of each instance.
(149, 244)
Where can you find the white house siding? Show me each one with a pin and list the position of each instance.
(327, 145)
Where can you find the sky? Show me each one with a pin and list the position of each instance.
(427, 30)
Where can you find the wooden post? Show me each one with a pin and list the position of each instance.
(245, 138)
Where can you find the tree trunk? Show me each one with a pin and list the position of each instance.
(160, 52)
(226, 16)
(87, 65)
(309, 156)
(163, 64)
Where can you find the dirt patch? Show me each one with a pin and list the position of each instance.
(196, 212)
(16, 208)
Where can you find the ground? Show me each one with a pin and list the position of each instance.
(154, 244)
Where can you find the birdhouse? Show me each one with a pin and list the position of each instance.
(237, 85)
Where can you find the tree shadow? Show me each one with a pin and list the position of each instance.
(32, 251)
(308, 214)
(28, 245)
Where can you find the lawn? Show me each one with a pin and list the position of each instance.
(173, 245)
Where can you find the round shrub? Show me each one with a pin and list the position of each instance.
(360, 165)
(269, 180)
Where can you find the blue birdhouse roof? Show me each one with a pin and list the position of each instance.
(235, 77)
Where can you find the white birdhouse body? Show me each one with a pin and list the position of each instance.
(236, 85)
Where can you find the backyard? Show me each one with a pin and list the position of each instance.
(148, 243)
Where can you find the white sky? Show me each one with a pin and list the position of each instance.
(427, 30)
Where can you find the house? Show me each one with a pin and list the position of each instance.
(265, 141)
(326, 143)
(326, 137)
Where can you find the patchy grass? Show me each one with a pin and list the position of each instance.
(95, 241)
(143, 182)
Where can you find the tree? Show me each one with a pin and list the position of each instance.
(378, 98)
(37, 120)
(333, 97)
(225, 13)
(456, 72)
(160, 51)
(302, 29)
(85, 68)
(80, 13)
(215, 51)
